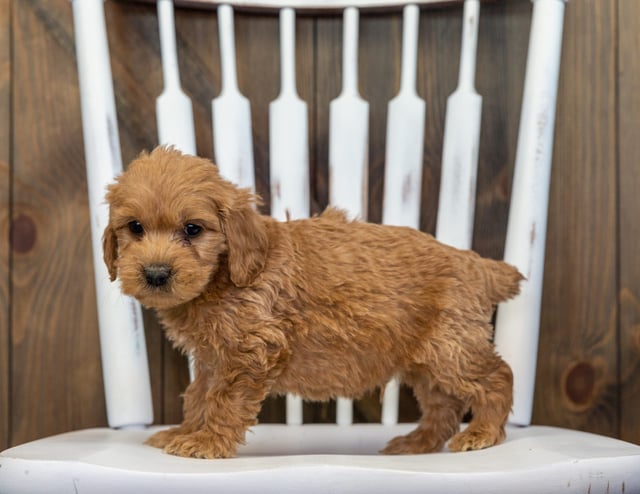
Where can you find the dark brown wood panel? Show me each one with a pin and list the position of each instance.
(439, 45)
(56, 375)
(502, 48)
(328, 87)
(50, 375)
(576, 383)
(5, 157)
(629, 157)
(381, 45)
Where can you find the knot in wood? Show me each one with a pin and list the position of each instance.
(23, 234)
(579, 384)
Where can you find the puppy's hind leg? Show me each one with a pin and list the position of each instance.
(490, 406)
(441, 416)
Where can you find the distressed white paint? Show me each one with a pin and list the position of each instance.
(122, 342)
(349, 130)
(174, 112)
(518, 320)
(403, 160)
(289, 152)
(288, 134)
(321, 458)
(232, 136)
(405, 136)
(461, 141)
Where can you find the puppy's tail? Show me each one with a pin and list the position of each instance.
(502, 280)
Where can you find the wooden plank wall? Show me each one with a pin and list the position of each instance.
(55, 373)
(580, 375)
(628, 106)
(588, 372)
(5, 138)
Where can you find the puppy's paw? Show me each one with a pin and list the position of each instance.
(161, 438)
(416, 442)
(201, 445)
(476, 438)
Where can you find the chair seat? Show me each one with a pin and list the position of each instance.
(322, 458)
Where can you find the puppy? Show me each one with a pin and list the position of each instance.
(320, 307)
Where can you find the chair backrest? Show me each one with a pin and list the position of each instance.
(126, 375)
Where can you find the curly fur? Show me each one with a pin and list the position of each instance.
(275, 307)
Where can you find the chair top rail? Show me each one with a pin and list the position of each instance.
(311, 6)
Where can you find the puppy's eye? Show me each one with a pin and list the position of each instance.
(135, 227)
(192, 230)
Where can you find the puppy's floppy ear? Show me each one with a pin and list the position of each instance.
(110, 251)
(247, 241)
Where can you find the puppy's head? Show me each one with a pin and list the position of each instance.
(173, 222)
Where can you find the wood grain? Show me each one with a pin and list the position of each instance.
(576, 383)
(56, 381)
(380, 41)
(629, 229)
(502, 50)
(5, 156)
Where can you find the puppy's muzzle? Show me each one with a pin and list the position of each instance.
(157, 275)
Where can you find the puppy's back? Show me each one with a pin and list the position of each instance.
(337, 249)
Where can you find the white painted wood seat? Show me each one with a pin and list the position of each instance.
(330, 457)
(321, 458)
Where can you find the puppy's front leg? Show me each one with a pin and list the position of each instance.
(225, 398)
(216, 421)
(193, 414)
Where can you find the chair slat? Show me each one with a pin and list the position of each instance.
(349, 131)
(518, 320)
(231, 113)
(174, 111)
(457, 198)
(122, 342)
(349, 149)
(403, 160)
(405, 136)
(390, 402)
(288, 135)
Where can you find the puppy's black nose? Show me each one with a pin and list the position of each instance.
(157, 274)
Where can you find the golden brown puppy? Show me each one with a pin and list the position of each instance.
(321, 307)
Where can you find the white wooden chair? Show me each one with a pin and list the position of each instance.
(337, 457)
